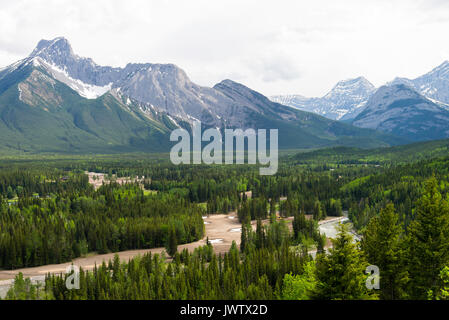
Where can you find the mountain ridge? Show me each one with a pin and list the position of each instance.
(135, 107)
(434, 85)
(399, 109)
(346, 97)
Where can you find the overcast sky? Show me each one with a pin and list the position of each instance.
(275, 47)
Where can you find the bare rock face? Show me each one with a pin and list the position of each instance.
(164, 87)
(58, 53)
(168, 88)
(37, 89)
(400, 110)
(433, 85)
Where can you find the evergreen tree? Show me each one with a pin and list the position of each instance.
(260, 235)
(341, 273)
(243, 238)
(443, 292)
(317, 211)
(321, 242)
(172, 243)
(429, 241)
(383, 245)
(300, 287)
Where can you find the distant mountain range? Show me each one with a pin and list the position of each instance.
(349, 97)
(346, 97)
(414, 109)
(56, 101)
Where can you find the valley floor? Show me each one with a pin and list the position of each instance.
(221, 230)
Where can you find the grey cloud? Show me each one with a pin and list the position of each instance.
(275, 68)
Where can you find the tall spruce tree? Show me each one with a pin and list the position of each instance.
(172, 243)
(428, 242)
(317, 211)
(383, 245)
(341, 273)
(243, 238)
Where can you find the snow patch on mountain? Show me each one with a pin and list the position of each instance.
(20, 92)
(433, 85)
(173, 120)
(401, 110)
(85, 90)
(345, 98)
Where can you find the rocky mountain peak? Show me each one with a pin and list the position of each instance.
(57, 46)
(356, 87)
(58, 52)
(441, 71)
(230, 84)
(434, 84)
(388, 96)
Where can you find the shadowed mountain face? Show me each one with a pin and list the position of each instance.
(400, 110)
(56, 101)
(433, 85)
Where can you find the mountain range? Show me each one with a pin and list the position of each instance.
(345, 98)
(349, 97)
(433, 85)
(416, 109)
(402, 111)
(56, 101)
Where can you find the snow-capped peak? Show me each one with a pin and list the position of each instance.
(354, 87)
(56, 46)
(441, 71)
(347, 97)
(433, 85)
(80, 74)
